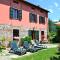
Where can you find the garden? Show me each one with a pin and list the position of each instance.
(47, 54)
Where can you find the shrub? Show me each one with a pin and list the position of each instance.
(59, 48)
(2, 38)
(26, 38)
(2, 48)
(51, 36)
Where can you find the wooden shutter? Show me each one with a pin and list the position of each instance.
(40, 19)
(30, 17)
(15, 1)
(11, 12)
(43, 20)
(19, 14)
(35, 18)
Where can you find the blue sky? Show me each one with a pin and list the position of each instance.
(52, 5)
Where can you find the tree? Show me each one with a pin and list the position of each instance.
(52, 26)
(58, 33)
(52, 30)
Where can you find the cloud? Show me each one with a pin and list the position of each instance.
(56, 4)
(51, 11)
(55, 20)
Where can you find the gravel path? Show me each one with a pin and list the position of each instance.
(5, 58)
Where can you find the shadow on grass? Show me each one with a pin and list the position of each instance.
(58, 53)
(55, 58)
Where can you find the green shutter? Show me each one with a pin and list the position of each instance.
(35, 18)
(39, 19)
(43, 20)
(30, 17)
(19, 14)
(11, 12)
(37, 35)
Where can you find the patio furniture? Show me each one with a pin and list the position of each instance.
(36, 45)
(29, 47)
(40, 45)
(16, 50)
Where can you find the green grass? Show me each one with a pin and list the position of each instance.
(40, 55)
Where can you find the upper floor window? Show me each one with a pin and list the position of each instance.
(15, 1)
(33, 17)
(41, 20)
(15, 13)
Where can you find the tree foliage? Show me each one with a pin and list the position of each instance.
(52, 26)
(52, 30)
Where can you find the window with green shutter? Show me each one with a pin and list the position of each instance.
(15, 14)
(41, 20)
(15, 1)
(33, 17)
(19, 14)
(11, 12)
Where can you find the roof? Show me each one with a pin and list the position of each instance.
(36, 6)
(58, 23)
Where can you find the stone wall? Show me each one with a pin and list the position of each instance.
(7, 31)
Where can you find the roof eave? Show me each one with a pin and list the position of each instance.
(33, 5)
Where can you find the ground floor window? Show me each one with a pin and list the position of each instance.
(42, 35)
(15, 33)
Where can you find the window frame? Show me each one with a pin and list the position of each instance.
(41, 20)
(15, 1)
(15, 12)
(32, 17)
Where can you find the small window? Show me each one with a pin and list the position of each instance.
(15, 14)
(42, 32)
(15, 1)
(41, 11)
(15, 32)
(33, 17)
(41, 20)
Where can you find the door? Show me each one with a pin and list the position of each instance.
(34, 34)
(42, 35)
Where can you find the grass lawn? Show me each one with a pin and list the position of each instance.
(40, 55)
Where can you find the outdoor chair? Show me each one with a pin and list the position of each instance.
(15, 49)
(29, 47)
(35, 45)
(40, 45)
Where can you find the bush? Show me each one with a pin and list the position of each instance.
(51, 36)
(26, 38)
(2, 38)
(59, 48)
(2, 48)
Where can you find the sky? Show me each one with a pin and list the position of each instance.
(51, 5)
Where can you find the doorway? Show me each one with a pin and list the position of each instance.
(42, 35)
(34, 34)
(15, 34)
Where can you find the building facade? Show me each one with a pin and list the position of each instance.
(22, 18)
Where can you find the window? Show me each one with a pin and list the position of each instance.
(33, 17)
(41, 20)
(15, 13)
(42, 32)
(42, 35)
(15, 32)
(15, 1)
